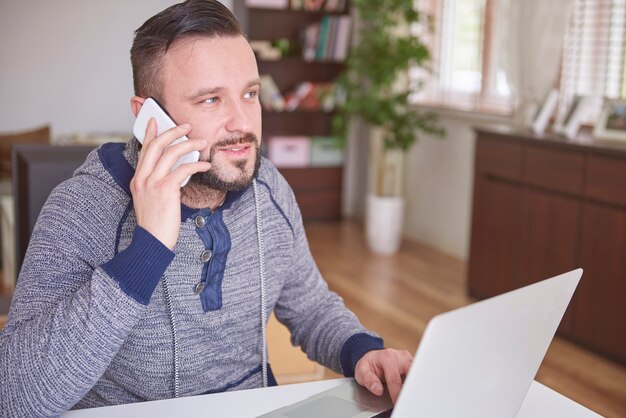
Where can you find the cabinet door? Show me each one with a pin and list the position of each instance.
(496, 231)
(549, 239)
(600, 299)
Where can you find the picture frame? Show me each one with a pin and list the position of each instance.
(572, 121)
(544, 112)
(612, 122)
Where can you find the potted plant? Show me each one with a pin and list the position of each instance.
(376, 91)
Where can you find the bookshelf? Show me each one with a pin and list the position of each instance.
(318, 189)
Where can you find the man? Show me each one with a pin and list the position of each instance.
(136, 289)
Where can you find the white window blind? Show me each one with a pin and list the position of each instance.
(593, 62)
(463, 72)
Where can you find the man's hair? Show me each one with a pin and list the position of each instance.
(193, 18)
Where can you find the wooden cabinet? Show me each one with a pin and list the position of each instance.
(544, 206)
(600, 310)
(495, 250)
(318, 190)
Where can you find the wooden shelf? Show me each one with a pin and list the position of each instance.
(289, 72)
(318, 190)
(307, 123)
(290, 11)
(270, 24)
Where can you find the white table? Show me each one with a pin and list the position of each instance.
(541, 402)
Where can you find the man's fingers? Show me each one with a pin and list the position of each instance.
(388, 365)
(173, 153)
(152, 150)
(406, 359)
(151, 133)
(186, 170)
(370, 381)
(393, 380)
(395, 369)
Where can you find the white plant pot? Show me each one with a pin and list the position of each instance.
(383, 223)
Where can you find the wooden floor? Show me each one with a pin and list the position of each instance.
(396, 296)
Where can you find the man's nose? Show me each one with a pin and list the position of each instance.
(238, 119)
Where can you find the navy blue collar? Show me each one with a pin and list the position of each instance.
(186, 212)
(112, 158)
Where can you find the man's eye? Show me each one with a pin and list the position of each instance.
(211, 100)
(250, 95)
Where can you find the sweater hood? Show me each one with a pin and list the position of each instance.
(113, 163)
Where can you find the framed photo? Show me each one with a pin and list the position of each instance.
(544, 112)
(573, 117)
(612, 122)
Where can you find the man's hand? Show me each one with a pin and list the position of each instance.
(389, 366)
(156, 188)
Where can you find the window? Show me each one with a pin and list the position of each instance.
(593, 62)
(464, 71)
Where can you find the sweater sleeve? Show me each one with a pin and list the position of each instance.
(69, 315)
(317, 318)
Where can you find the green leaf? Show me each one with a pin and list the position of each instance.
(372, 68)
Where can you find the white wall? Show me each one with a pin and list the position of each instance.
(439, 185)
(67, 63)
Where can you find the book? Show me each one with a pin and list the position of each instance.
(319, 96)
(310, 40)
(330, 38)
(301, 91)
(322, 41)
(342, 44)
(270, 96)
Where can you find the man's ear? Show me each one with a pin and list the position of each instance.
(135, 104)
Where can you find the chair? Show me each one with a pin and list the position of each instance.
(37, 136)
(38, 169)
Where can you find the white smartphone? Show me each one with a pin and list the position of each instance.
(152, 109)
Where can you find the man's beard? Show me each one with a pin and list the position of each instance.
(212, 179)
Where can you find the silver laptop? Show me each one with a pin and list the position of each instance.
(476, 361)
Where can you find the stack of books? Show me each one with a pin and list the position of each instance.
(270, 96)
(312, 96)
(309, 5)
(327, 40)
(315, 5)
(306, 95)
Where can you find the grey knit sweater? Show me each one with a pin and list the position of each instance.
(104, 314)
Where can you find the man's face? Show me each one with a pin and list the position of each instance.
(213, 84)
